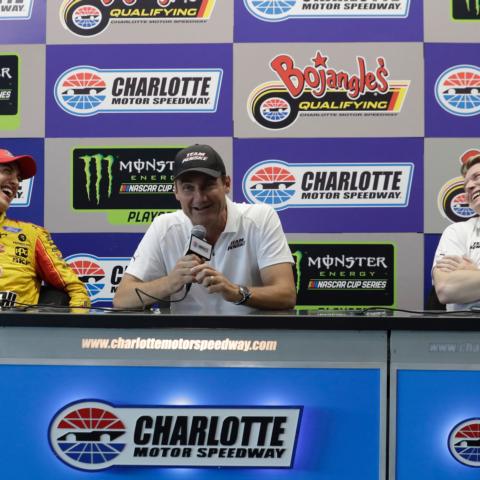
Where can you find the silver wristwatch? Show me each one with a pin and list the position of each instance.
(245, 293)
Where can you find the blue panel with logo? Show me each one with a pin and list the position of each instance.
(143, 90)
(452, 90)
(307, 21)
(99, 264)
(330, 428)
(438, 425)
(353, 185)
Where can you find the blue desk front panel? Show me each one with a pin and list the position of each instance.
(338, 437)
(430, 404)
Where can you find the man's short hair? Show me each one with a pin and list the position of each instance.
(470, 161)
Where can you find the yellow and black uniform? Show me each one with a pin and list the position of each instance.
(28, 256)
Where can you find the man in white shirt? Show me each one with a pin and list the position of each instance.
(250, 265)
(456, 268)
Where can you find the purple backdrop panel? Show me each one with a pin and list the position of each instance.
(334, 185)
(23, 22)
(430, 245)
(452, 90)
(139, 90)
(28, 206)
(251, 28)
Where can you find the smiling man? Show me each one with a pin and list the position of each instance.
(250, 265)
(27, 252)
(456, 268)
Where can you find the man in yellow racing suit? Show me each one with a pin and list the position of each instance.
(27, 252)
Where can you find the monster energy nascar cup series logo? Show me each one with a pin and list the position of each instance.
(124, 178)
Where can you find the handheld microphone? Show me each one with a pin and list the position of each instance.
(198, 245)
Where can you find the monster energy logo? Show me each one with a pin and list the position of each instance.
(298, 255)
(473, 5)
(95, 163)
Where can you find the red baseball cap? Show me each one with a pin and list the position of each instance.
(26, 163)
(466, 156)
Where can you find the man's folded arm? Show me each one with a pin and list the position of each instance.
(459, 286)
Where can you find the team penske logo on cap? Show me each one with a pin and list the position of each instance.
(314, 185)
(93, 435)
(277, 10)
(85, 90)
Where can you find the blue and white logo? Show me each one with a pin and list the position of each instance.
(278, 10)
(85, 90)
(316, 185)
(457, 90)
(464, 442)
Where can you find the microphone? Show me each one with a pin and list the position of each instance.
(199, 246)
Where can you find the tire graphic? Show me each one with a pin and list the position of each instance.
(274, 109)
(84, 18)
(455, 205)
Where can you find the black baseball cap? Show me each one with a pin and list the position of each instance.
(199, 158)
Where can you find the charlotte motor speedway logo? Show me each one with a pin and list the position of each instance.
(93, 435)
(24, 193)
(457, 90)
(101, 275)
(16, 10)
(464, 442)
(277, 10)
(323, 89)
(91, 17)
(315, 185)
(86, 90)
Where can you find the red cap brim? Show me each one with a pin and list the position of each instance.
(26, 165)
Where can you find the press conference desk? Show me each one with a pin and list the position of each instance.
(334, 396)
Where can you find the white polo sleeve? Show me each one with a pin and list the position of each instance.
(454, 241)
(147, 262)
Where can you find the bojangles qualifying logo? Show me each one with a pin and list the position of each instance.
(322, 88)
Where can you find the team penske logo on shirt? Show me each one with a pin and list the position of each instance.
(85, 90)
(278, 10)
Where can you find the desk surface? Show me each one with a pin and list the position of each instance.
(284, 320)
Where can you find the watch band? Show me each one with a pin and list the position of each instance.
(245, 293)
